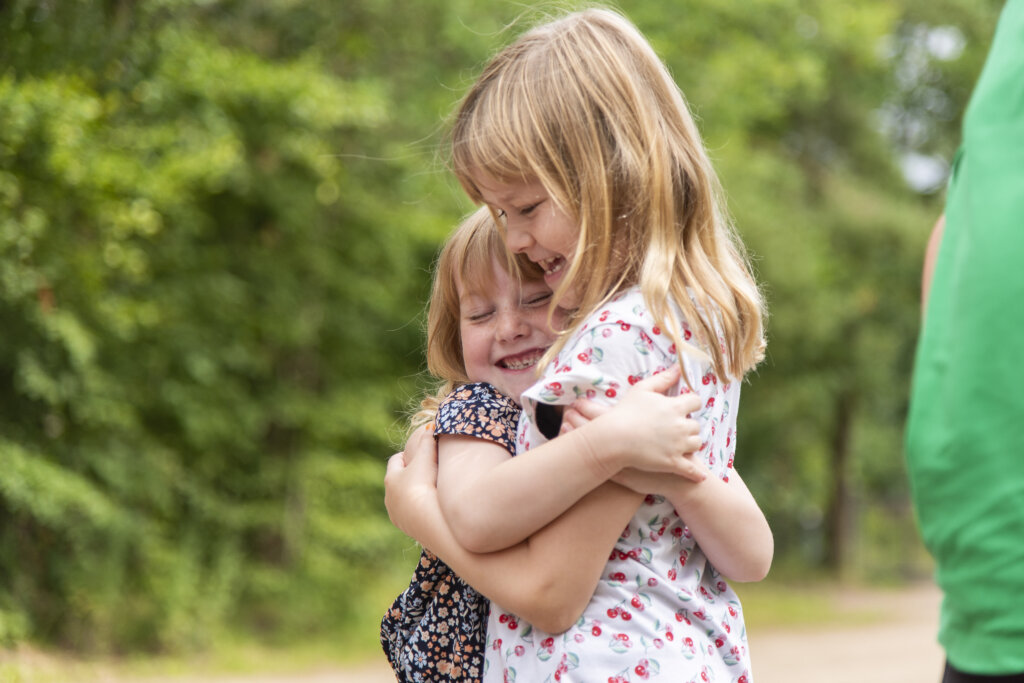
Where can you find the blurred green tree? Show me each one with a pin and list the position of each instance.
(209, 288)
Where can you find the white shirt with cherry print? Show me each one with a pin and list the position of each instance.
(660, 611)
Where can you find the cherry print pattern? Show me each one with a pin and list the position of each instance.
(661, 612)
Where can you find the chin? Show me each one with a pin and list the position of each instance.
(516, 389)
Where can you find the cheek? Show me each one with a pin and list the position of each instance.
(558, 318)
(539, 321)
(470, 344)
(567, 235)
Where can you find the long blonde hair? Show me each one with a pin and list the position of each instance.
(466, 257)
(585, 106)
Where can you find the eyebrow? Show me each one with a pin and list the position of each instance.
(511, 194)
(503, 199)
(475, 293)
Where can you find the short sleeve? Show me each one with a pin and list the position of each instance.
(480, 411)
(616, 348)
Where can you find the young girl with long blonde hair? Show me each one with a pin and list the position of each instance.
(578, 140)
(487, 328)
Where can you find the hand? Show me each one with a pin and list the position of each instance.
(653, 433)
(421, 443)
(410, 482)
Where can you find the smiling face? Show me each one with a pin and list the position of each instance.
(504, 330)
(536, 226)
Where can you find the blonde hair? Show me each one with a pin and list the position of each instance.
(584, 105)
(466, 259)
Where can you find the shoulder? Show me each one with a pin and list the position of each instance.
(625, 308)
(476, 396)
(479, 410)
(615, 346)
(622, 334)
(476, 392)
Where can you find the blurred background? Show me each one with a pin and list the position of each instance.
(217, 223)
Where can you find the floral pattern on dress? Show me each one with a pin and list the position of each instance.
(436, 629)
(661, 612)
(479, 410)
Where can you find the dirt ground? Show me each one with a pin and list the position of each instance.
(879, 636)
(896, 645)
(899, 647)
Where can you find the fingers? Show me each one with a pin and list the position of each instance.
(396, 463)
(421, 443)
(689, 403)
(572, 419)
(392, 478)
(692, 471)
(588, 410)
(662, 381)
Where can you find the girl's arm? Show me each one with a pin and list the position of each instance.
(492, 501)
(533, 579)
(722, 515)
(931, 255)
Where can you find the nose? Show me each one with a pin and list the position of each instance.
(517, 239)
(511, 325)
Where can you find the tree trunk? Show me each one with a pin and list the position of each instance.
(838, 515)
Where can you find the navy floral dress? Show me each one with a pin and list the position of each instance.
(437, 628)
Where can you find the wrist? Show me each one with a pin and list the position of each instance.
(599, 449)
(411, 512)
(686, 494)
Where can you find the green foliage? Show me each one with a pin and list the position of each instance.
(204, 304)
(216, 224)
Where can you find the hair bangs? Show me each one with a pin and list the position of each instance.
(476, 271)
(485, 249)
(498, 128)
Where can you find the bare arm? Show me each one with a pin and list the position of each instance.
(726, 521)
(492, 501)
(531, 578)
(931, 255)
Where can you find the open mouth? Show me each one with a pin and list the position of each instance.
(552, 265)
(521, 361)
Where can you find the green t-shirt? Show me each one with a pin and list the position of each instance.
(965, 434)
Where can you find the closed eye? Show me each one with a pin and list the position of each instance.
(479, 317)
(529, 209)
(539, 299)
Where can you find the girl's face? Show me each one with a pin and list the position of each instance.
(535, 226)
(505, 331)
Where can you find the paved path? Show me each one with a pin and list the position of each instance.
(898, 647)
(889, 638)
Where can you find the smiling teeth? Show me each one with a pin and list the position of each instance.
(520, 363)
(553, 266)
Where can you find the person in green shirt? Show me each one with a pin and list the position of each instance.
(965, 431)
